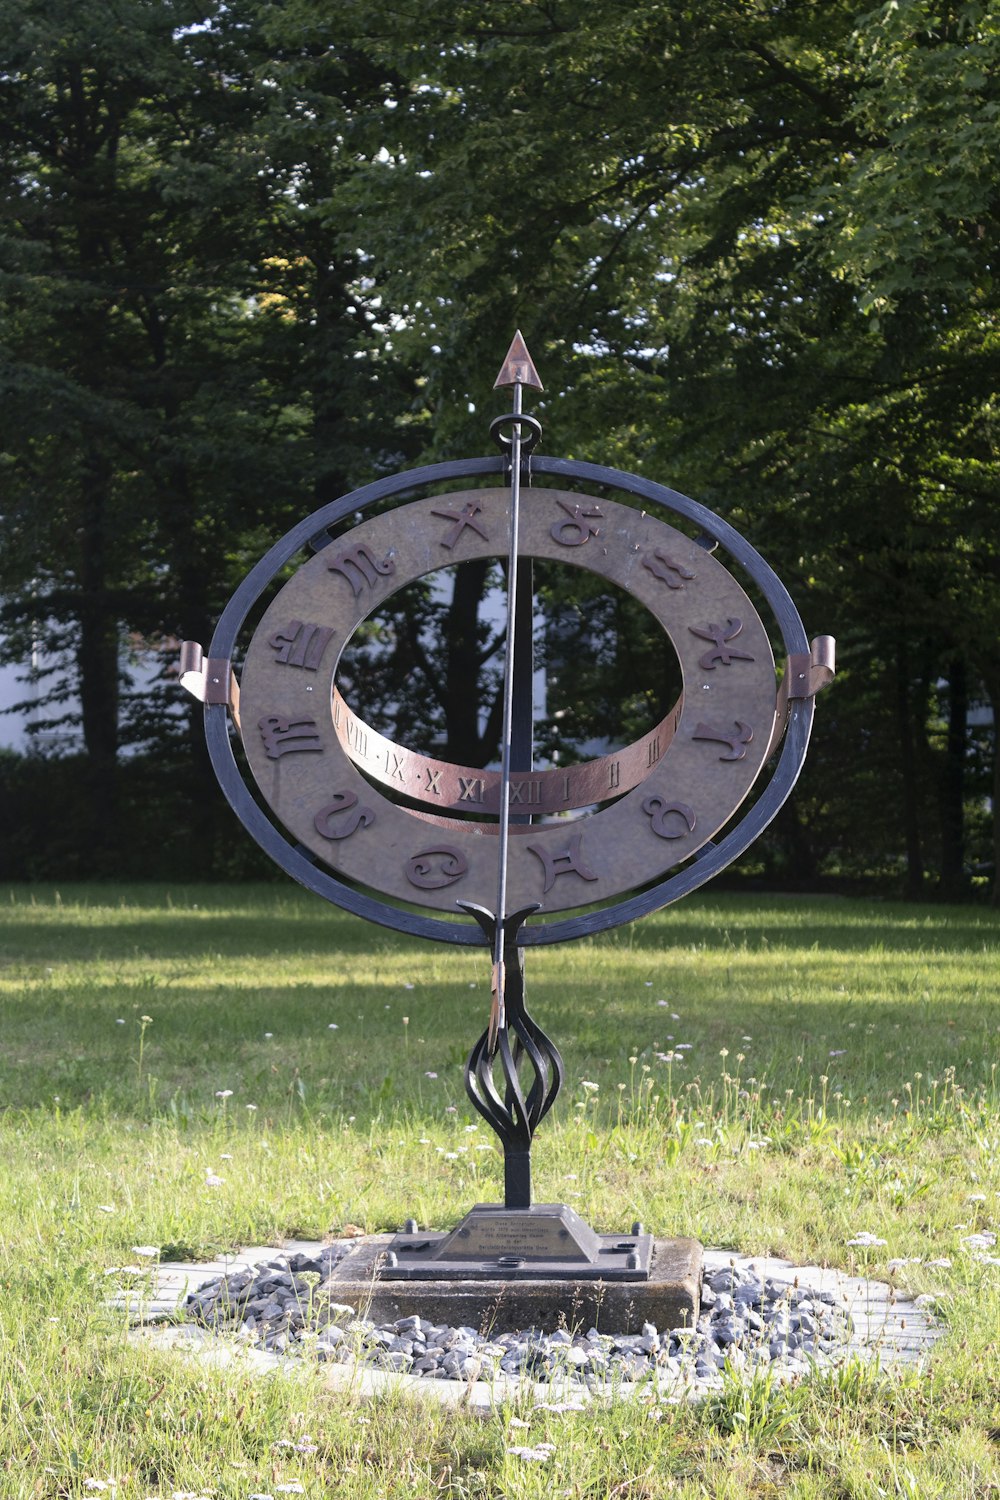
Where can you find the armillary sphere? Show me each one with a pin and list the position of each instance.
(513, 856)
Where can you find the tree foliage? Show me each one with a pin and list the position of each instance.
(179, 360)
(759, 243)
(255, 253)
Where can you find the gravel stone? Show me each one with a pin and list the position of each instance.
(745, 1322)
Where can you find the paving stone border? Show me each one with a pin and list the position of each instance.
(755, 1311)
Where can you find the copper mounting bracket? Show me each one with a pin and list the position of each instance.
(806, 675)
(210, 680)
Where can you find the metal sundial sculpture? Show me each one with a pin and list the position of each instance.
(547, 855)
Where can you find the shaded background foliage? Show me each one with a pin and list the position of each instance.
(252, 255)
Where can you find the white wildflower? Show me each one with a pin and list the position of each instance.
(984, 1241)
(539, 1455)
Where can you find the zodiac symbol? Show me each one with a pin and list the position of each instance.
(658, 809)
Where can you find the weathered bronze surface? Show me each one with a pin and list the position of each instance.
(792, 723)
(518, 368)
(542, 1232)
(450, 788)
(545, 1240)
(318, 789)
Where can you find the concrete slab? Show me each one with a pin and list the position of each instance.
(887, 1325)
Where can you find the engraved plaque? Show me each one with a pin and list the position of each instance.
(547, 1231)
(548, 1241)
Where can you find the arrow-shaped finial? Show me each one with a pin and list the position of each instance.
(518, 368)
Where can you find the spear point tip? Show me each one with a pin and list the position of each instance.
(518, 368)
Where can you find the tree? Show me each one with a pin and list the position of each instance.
(122, 288)
(252, 248)
(178, 363)
(758, 243)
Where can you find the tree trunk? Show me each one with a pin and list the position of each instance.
(465, 745)
(914, 883)
(952, 793)
(991, 681)
(801, 863)
(995, 894)
(97, 660)
(329, 350)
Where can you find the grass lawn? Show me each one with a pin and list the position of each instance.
(205, 1067)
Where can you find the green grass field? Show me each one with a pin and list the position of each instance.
(201, 1068)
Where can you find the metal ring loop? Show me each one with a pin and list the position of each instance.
(300, 865)
(514, 419)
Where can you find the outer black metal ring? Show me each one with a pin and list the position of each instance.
(516, 419)
(468, 934)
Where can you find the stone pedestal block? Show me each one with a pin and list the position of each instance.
(669, 1298)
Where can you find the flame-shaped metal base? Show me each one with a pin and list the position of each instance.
(514, 1114)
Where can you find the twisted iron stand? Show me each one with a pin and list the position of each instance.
(516, 1239)
(514, 1115)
